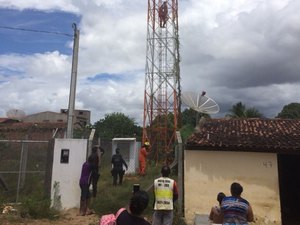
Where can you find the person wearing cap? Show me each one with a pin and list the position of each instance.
(143, 158)
(117, 162)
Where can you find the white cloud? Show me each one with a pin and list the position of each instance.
(65, 5)
(239, 50)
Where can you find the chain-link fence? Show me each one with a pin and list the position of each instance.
(23, 166)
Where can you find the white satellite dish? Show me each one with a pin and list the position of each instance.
(200, 102)
(15, 114)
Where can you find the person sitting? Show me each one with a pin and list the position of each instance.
(215, 213)
(138, 203)
(235, 209)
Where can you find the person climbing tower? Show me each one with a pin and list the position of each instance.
(163, 14)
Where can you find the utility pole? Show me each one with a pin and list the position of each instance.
(72, 95)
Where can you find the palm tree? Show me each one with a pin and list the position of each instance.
(239, 110)
(253, 113)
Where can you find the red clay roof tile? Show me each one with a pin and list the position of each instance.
(267, 135)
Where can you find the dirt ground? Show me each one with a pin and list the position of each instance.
(69, 217)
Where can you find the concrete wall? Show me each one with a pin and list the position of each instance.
(65, 190)
(207, 173)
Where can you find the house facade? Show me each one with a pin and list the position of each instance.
(263, 155)
(81, 117)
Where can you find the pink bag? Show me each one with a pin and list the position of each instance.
(110, 219)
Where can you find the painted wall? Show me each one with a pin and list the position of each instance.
(65, 190)
(207, 173)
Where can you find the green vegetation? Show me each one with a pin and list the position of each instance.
(109, 198)
(290, 111)
(37, 207)
(117, 125)
(34, 204)
(186, 131)
(239, 110)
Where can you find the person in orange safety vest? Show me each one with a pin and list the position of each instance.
(143, 158)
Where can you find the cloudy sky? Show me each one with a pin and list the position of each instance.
(235, 50)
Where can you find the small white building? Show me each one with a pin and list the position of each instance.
(129, 149)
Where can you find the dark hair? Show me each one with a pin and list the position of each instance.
(94, 149)
(236, 189)
(165, 171)
(138, 202)
(117, 150)
(90, 159)
(220, 197)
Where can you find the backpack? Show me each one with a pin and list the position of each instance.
(110, 219)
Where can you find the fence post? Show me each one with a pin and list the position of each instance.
(180, 173)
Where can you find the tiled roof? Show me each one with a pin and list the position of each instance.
(265, 135)
(31, 131)
(7, 120)
(27, 125)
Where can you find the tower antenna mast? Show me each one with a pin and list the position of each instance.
(162, 77)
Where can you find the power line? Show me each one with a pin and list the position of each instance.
(37, 31)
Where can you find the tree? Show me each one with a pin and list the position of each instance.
(239, 110)
(190, 117)
(253, 113)
(290, 111)
(117, 125)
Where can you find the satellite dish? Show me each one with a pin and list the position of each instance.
(15, 114)
(200, 102)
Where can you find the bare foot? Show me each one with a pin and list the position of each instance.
(90, 212)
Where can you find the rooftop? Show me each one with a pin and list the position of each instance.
(263, 135)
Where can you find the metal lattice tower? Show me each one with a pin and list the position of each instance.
(162, 77)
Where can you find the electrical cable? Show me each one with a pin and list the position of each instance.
(37, 31)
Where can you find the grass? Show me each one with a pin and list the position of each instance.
(109, 198)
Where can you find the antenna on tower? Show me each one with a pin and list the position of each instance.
(200, 102)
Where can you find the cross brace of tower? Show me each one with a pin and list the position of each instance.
(162, 77)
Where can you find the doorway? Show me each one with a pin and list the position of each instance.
(289, 184)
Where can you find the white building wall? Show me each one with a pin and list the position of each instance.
(209, 172)
(65, 190)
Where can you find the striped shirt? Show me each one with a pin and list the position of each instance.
(235, 210)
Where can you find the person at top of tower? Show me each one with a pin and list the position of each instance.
(163, 14)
